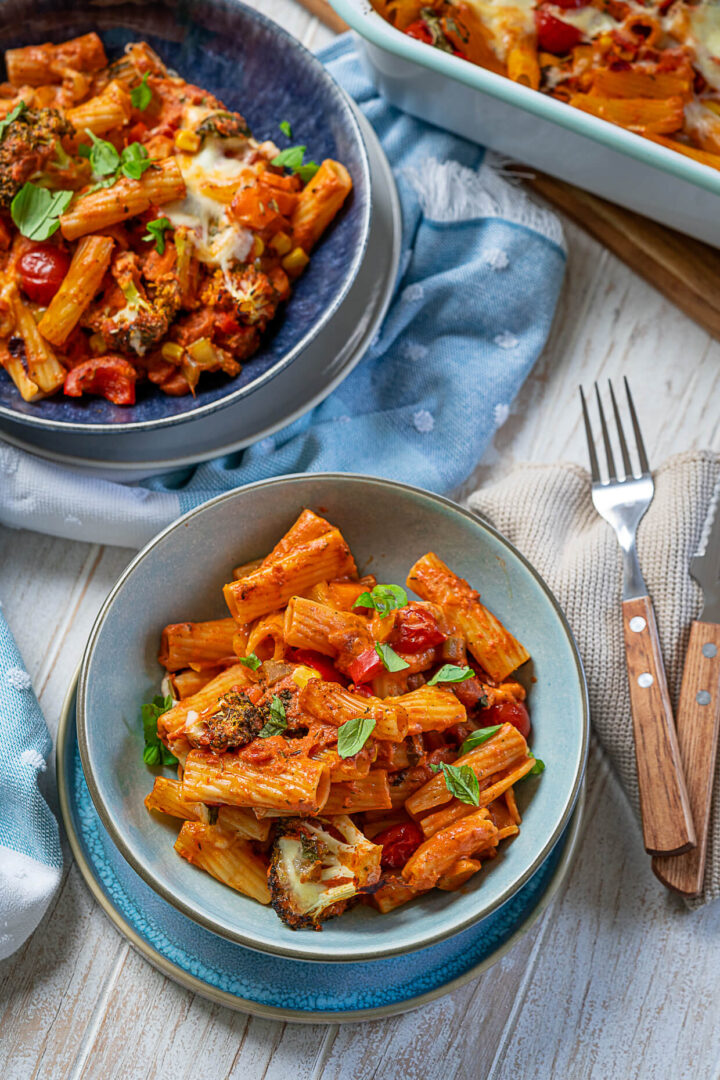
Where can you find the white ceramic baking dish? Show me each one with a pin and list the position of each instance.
(536, 129)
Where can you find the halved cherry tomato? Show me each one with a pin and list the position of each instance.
(419, 31)
(415, 629)
(555, 36)
(365, 666)
(399, 842)
(111, 377)
(322, 664)
(42, 269)
(509, 712)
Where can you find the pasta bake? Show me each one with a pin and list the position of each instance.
(145, 235)
(335, 741)
(651, 66)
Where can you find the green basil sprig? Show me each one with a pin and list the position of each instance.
(477, 738)
(155, 752)
(353, 734)
(461, 782)
(277, 722)
(36, 211)
(451, 673)
(383, 598)
(389, 657)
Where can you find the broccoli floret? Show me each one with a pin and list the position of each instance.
(313, 875)
(224, 125)
(26, 145)
(233, 723)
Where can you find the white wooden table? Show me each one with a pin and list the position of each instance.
(616, 981)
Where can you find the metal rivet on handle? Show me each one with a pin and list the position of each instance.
(645, 680)
(637, 624)
(709, 650)
(703, 697)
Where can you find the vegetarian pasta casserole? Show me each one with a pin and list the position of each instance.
(336, 742)
(144, 233)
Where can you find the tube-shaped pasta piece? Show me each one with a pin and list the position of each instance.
(431, 709)
(435, 856)
(512, 806)
(35, 65)
(172, 722)
(43, 366)
(643, 84)
(646, 116)
(352, 768)
(369, 792)
(82, 281)
(392, 894)
(309, 625)
(503, 750)
(102, 113)
(226, 857)
(703, 156)
(319, 202)
(202, 643)
(405, 783)
(270, 587)
(460, 872)
(295, 783)
(333, 704)
(246, 568)
(390, 684)
(491, 789)
(161, 183)
(266, 638)
(184, 684)
(29, 390)
(490, 643)
(167, 797)
(522, 64)
(309, 526)
(243, 823)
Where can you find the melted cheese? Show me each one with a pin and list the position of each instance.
(588, 20)
(506, 22)
(705, 30)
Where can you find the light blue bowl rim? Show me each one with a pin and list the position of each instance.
(352, 125)
(210, 923)
(369, 24)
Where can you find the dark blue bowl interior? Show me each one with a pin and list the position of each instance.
(257, 68)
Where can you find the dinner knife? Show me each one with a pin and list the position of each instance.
(698, 716)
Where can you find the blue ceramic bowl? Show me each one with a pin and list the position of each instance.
(179, 576)
(254, 66)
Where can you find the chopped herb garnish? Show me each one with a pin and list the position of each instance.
(36, 211)
(537, 768)
(252, 661)
(353, 734)
(134, 161)
(141, 95)
(293, 158)
(285, 128)
(155, 752)
(451, 673)
(104, 158)
(277, 722)
(156, 231)
(12, 115)
(477, 738)
(389, 657)
(383, 598)
(461, 782)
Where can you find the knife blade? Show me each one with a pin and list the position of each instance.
(698, 715)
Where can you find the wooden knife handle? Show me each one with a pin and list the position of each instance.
(698, 722)
(666, 816)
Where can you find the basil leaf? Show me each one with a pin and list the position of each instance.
(353, 734)
(84, 150)
(102, 184)
(155, 752)
(134, 161)
(252, 661)
(36, 211)
(390, 658)
(461, 782)
(451, 673)
(12, 115)
(537, 768)
(285, 128)
(277, 722)
(477, 738)
(104, 158)
(292, 158)
(307, 171)
(383, 598)
(141, 95)
(156, 231)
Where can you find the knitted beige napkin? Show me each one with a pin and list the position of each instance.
(547, 512)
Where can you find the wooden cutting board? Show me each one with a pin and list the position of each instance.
(685, 271)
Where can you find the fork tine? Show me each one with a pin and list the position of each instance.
(612, 475)
(644, 465)
(594, 469)
(621, 434)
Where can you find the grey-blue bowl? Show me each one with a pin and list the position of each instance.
(256, 67)
(179, 576)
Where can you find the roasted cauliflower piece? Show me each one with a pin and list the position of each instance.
(313, 874)
(26, 145)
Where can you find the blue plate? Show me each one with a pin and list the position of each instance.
(256, 67)
(269, 985)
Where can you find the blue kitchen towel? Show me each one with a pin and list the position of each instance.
(480, 275)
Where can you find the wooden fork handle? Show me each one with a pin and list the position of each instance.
(698, 722)
(666, 816)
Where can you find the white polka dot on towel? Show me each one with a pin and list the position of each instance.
(18, 679)
(34, 758)
(413, 293)
(496, 259)
(500, 414)
(506, 340)
(423, 421)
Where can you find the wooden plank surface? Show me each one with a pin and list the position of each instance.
(617, 981)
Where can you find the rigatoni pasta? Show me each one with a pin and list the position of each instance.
(297, 783)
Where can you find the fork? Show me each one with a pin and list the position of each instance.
(622, 501)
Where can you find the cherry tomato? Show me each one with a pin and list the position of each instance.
(365, 666)
(416, 629)
(399, 842)
(509, 712)
(555, 36)
(111, 377)
(42, 269)
(322, 664)
(419, 31)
